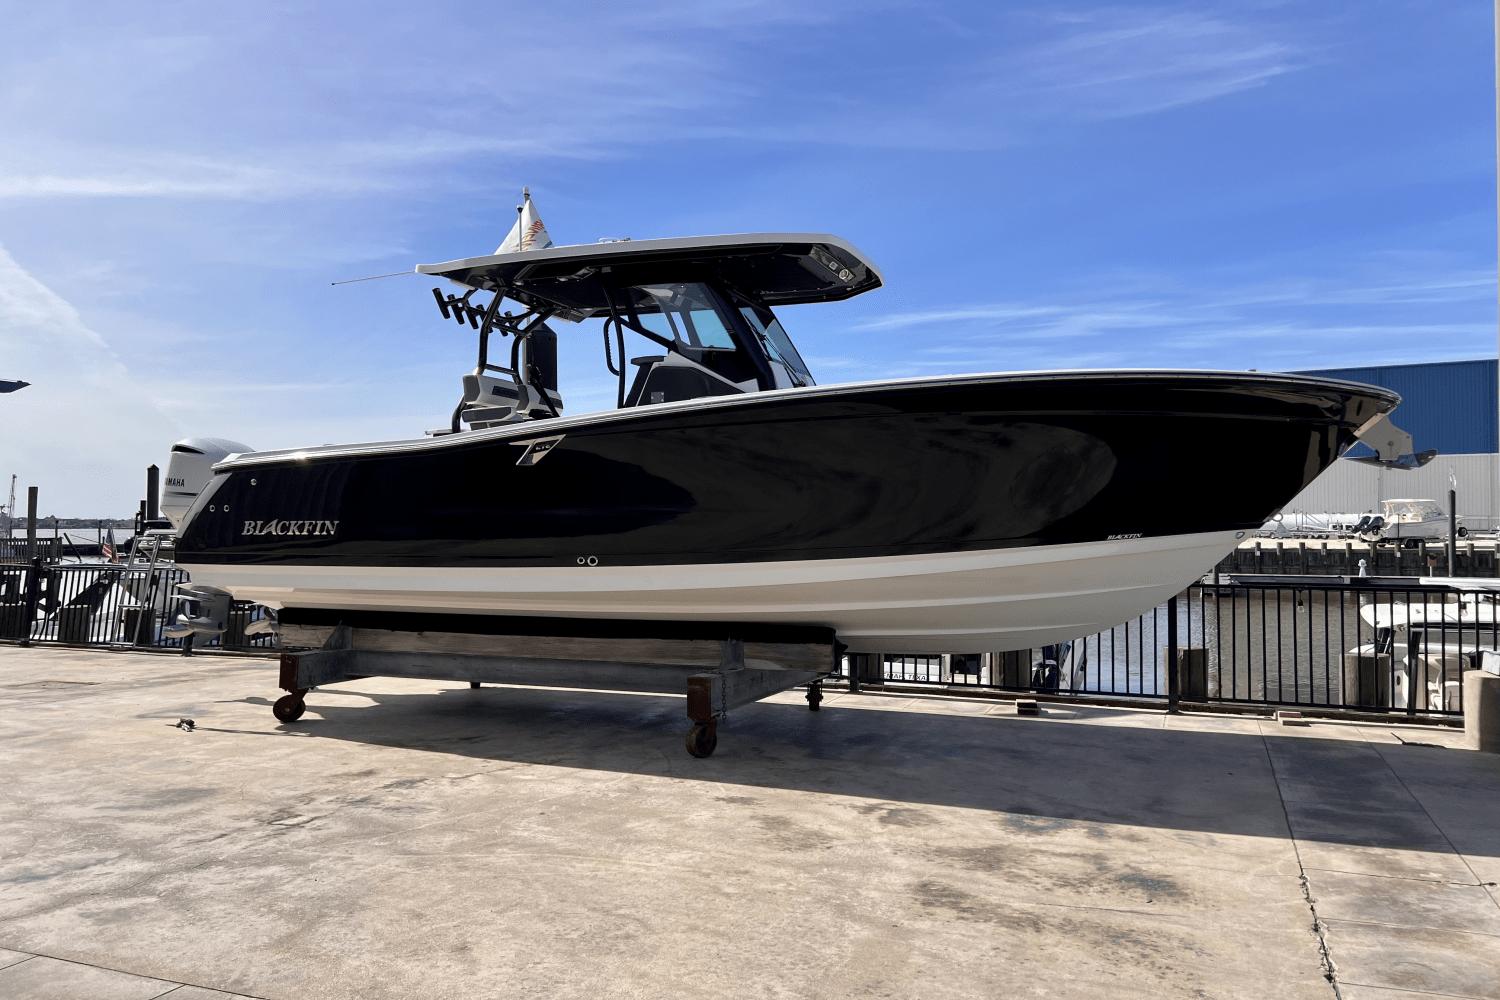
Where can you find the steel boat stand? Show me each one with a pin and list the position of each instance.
(717, 674)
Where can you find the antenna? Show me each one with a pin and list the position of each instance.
(521, 219)
(373, 277)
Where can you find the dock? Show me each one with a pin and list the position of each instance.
(411, 838)
(1472, 556)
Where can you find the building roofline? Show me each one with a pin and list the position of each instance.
(1399, 364)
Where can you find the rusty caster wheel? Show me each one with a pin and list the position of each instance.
(702, 739)
(289, 708)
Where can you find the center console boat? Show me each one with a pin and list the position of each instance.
(728, 490)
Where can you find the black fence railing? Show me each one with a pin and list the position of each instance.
(1371, 647)
(19, 550)
(108, 605)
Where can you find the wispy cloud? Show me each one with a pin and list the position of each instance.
(651, 74)
(86, 427)
(1314, 322)
(1008, 76)
(1000, 312)
(329, 169)
(1124, 62)
(240, 111)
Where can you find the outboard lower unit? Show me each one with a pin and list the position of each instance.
(201, 610)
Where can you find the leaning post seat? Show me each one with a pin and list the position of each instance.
(488, 400)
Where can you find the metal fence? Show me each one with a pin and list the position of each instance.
(1372, 647)
(106, 604)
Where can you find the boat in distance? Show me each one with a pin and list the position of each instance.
(959, 513)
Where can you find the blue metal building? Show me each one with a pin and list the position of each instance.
(1448, 405)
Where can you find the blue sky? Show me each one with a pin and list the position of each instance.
(1054, 184)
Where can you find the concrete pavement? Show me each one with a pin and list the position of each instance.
(423, 839)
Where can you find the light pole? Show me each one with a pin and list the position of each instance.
(1452, 522)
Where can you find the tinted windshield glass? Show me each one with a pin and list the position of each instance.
(778, 345)
(684, 311)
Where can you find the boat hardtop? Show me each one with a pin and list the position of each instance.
(774, 268)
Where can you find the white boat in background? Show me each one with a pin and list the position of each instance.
(1410, 520)
(1468, 612)
(1399, 521)
(1430, 643)
(1300, 524)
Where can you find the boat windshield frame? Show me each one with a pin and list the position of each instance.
(744, 359)
(774, 339)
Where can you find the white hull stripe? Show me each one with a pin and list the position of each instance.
(994, 599)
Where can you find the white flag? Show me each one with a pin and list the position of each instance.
(528, 233)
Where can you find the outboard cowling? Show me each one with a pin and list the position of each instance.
(190, 469)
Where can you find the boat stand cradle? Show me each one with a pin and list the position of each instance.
(716, 674)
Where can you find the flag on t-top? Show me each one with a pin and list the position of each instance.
(528, 233)
(107, 550)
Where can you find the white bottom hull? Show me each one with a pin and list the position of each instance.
(993, 600)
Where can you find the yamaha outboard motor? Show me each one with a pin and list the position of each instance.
(201, 610)
(190, 469)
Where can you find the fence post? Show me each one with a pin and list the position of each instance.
(34, 577)
(1413, 642)
(1173, 694)
(30, 521)
(33, 595)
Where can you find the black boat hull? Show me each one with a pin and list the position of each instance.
(946, 508)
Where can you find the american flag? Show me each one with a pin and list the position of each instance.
(107, 547)
(527, 232)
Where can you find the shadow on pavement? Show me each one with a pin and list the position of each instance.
(1035, 771)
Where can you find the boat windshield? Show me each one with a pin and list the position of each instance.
(697, 320)
(681, 311)
(778, 345)
(1414, 510)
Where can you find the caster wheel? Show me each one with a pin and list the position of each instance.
(473, 685)
(702, 739)
(289, 708)
(814, 698)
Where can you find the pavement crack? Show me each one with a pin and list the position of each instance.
(1407, 878)
(1325, 958)
(1330, 971)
